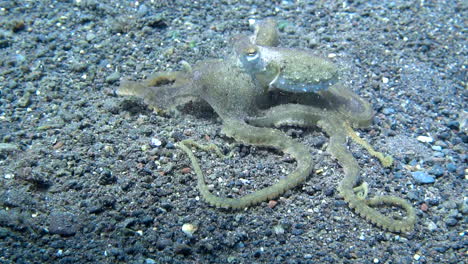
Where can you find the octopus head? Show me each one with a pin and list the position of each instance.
(248, 54)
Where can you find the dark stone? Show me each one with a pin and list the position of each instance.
(444, 135)
(156, 21)
(451, 222)
(329, 192)
(451, 167)
(297, 232)
(453, 125)
(182, 249)
(63, 224)
(106, 178)
(437, 170)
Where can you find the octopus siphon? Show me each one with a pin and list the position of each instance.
(261, 87)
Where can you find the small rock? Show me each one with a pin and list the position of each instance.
(163, 243)
(444, 135)
(189, 229)
(185, 170)
(150, 261)
(90, 36)
(437, 170)
(272, 203)
(451, 167)
(451, 221)
(62, 224)
(114, 77)
(431, 226)
(106, 178)
(17, 25)
(155, 142)
(170, 145)
(425, 139)
(424, 207)
(25, 100)
(388, 111)
(453, 125)
(278, 229)
(142, 10)
(7, 147)
(422, 177)
(182, 249)
(436, 148)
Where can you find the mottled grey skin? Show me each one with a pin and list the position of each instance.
(249, 107)
(285, 69)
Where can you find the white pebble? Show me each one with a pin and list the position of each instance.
(155, 142)
(362, 237)
(416, 257)
(385, 80)
(431, 226)
(437, 148)
(189, 229)
(279, 230)
(425, 139)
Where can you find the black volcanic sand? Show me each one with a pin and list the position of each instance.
(88, 177)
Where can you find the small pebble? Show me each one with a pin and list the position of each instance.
(113, 77)
(58, 145)
(90, 36)
(431, 226)
(444, 135)
(388, 111)
(170, 145)
(425, 139)
(437, 170)
(150, 261)
(437, 148)
(451, 167)
(424, 207)
(454, 125)
(272, 203)
(451, 221)
(7, 147)
(416, 257)
(278, 229)
(422, 177)
(189, 229)
(185, 170)
(155, 142)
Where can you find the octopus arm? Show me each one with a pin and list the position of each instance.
(161, 89)
(364, 207)
(333, 124)
(258, 136)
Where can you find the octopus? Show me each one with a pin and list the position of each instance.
(261, 87)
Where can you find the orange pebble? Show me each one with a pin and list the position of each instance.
(272, 203)
(424, 207)
(185, 170)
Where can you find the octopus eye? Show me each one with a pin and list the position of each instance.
(251, 52)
